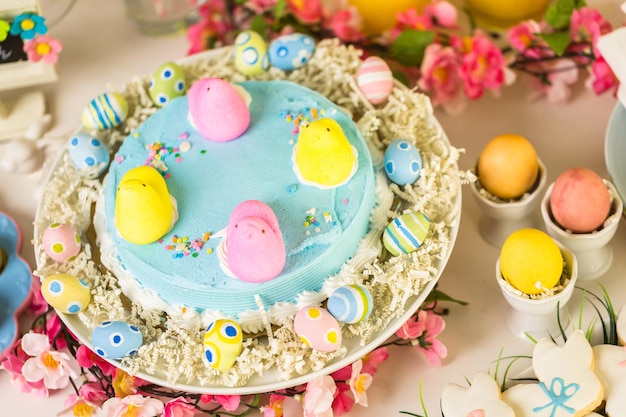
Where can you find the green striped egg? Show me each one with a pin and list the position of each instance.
(406, 233)
(105, 111)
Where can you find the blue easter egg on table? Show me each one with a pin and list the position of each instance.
(105, 111)
(222, 343)
(167, 83)
(350, 304)
(291, 51)
(403, 162)
(88, 153)
(250, 53)
(406, 233)
(66, 293)
(116, 339)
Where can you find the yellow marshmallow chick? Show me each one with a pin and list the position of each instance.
(323, 155)
(144, 209)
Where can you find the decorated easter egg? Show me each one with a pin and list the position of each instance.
(105, 111)
(167, 83)
(88, 154)
(318, 329)
(60, 242)
(291, 51)
(350, 304)
(406, 233)
(116, 339)
(66, 293)
(403, 162)
(250, 51)
(531, 261)
(375, 79)
(223, 342)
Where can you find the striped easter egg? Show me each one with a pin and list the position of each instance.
(105, 111)
(375, 79)
(350, 304)
(406, 233)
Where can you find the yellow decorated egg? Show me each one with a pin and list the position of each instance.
(531, 261)
(105, 111)
(251, 57)
(508, 166)
(66, 293)
(223, 342)
(318, 329)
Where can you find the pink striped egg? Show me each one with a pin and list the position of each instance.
(375, 79)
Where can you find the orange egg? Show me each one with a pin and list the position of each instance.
(378, 17)
(508, 166)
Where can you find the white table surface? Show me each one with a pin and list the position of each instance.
(101, 48)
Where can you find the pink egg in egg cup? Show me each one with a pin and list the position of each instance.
(542, 315)
(593, 250)
(500, 218)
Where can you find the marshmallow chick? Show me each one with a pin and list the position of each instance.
(255, 251)
(217, 109)
(323, 155)
(144, 210)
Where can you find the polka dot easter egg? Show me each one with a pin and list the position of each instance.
(61, 242)
(251, 57)
(223, 342)
(403, 162)
(350, 304)
(375, 80)
(116, 339)
(406, 233)
(66, 293)
(291, 51)
(88, 154)
(167, 83)
(105, 111)
(318, 329)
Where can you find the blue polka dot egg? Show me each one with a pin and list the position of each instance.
(88, 154)
(223, 342)
(350, 304)
(250, 52)
(116, 339)
(66, 293)
(291, 51)
(167, 83)
(403, 162)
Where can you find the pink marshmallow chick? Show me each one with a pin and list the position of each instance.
(217, 110)
(255, 251)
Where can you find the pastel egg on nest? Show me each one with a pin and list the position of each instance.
(406, 233)
(375, 79)
(250, 53)
(350, 304)
(223, 342)
(116, 339)
(402, 162)
(105, 111)
(88, 154)
(66, 293)
(61, 242)
(318, 329)
(167, 83)
(291, 51)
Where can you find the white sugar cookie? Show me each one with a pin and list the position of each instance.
(481, 399)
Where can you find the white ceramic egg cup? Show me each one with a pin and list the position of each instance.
(538, 317)
(592, 250)
(499, 219)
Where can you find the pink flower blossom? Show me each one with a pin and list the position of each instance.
(602, 77)
(93, 393)
(53, 330)
(260, 6)
(306, 11)
(483, 66)
(211, 30)
(343, 401)
(440, 76)
(13, 364)
(38, 305)
(87, 358)
(318, 397)
(373, 359)
(560, 75)
(347, 25)
(179, 407)
(228, 402)
(359, 383)
(132, 405)
(282, 406)
(432, 348)
(76, 406)
(587, 24)
(523, 37)
(51, 366)
(43, 47)
(441, 13)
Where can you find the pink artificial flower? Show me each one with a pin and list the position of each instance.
(260, 6)
(602, 77)
(359, 383)
(410, 19)
(86, 358)
(560, 75)
(306, 11)
(343, 401)
(587, 24)
(428, 344)
(523, 37)
(38, 305)
(93, 393)
(347, 25)
(51, 366)
(373, 359)
(132, 405)
(442, 13)
(180, 407)
(76, 406)
(282, 406)
(318, 398)
(228, 402)
(53, 330)
(440, 77)
(43, 47)
(211, 30)
(14, 364)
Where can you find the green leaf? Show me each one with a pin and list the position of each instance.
(408, 48)
(258, 25)
(558, 14)
(557, 41)
(437, 295)
(280, 8)
(401, 76)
